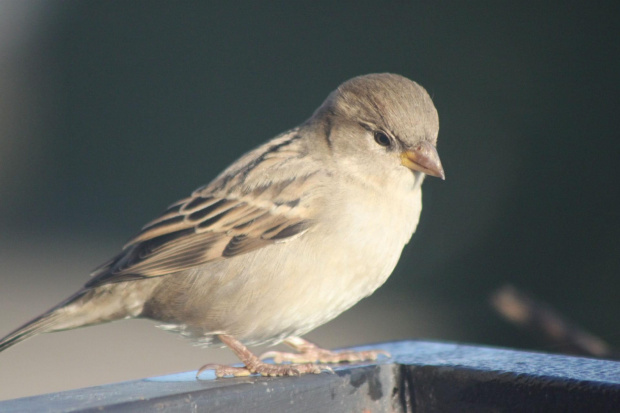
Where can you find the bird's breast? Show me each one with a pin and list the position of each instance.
(373, 227)
(344, 258)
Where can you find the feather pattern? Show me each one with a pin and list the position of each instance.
(247, 207)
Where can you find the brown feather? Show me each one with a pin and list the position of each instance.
(242, 210)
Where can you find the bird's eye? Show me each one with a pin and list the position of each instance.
(382, 139)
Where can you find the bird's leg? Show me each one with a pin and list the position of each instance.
(311, 353)
(254, 365)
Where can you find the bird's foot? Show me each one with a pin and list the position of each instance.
(263, 369)
(311, 353)
(253, 365)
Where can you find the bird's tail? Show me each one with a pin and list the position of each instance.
(45, 323)
(87, 307)
(41, 324)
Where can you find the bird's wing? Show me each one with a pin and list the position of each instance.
(267, 196)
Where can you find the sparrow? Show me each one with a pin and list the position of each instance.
(285, 239)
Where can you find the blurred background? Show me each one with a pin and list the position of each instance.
(110, 111)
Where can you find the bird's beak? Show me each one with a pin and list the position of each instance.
(424, 158)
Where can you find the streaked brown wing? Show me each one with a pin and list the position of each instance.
(196, 232)
(241, 211)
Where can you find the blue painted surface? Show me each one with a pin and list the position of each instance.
(419, 376)
(424, 353)
(503, 360)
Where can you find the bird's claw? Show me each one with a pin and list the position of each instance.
(319, 355)
(265, 369)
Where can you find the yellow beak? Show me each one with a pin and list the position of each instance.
(423, 158)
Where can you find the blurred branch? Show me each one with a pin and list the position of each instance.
(540, 318)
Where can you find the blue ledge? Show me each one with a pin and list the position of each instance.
(419, 377)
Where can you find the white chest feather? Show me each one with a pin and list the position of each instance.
(347, 256)
(373, 229)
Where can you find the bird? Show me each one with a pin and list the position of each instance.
(285, 239)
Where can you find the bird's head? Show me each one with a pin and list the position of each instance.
(382, 121)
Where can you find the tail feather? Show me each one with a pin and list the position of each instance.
(88, 306)
(41, 324)
(45, 323)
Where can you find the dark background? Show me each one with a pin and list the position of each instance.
(112, 110)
